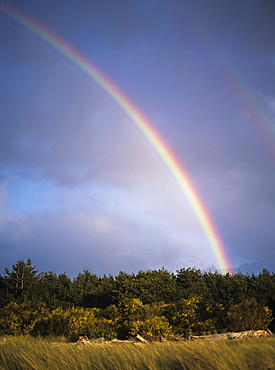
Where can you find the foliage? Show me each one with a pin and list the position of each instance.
(154, 302)
(153, 326)
(71, 323)
(17, 319)
(19, 283)
(188, 316)
(136, 318)
(249, 315)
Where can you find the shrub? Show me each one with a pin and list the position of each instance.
(248, 315)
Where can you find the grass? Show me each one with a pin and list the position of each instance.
(39, 354)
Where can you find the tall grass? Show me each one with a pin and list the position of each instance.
(39, 354)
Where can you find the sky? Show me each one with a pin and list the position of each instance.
(81, 187)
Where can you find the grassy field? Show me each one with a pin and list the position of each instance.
(31, 353)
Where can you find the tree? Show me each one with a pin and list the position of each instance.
(156, 286)
(89, 290)
(20, 281)
(190, 283)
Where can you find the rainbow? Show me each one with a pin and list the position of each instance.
(142, 123)
(238, 86)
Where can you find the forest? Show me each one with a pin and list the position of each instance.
(150, 303)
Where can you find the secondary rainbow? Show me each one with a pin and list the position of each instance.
(142, 123)
(235, 81)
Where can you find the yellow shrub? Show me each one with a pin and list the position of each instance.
(154, 326)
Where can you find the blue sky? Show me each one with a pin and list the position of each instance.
(80, 187)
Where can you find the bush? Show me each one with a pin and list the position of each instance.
(18, 319)
(154, 326)
(248, 315)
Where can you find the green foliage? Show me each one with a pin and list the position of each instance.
(18, 319)
(263, 290)
(136, 318)
(89, 290)
(190, 283)
(148, 286)
(188, 317)
(249, 315)
(130, 310)
(72, 323)
(19, 283)
(154, 302)
(153, 326)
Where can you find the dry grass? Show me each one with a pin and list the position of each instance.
(39, 354)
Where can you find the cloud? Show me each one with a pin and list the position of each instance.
(72, 139)
(3, 192)
(80, 184)
(100, 226)
(268, 107)
(246, 212)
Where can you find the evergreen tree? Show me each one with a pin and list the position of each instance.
(19, 283)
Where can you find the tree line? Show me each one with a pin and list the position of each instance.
(152, 303)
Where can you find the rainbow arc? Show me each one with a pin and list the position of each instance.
(141, 122)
